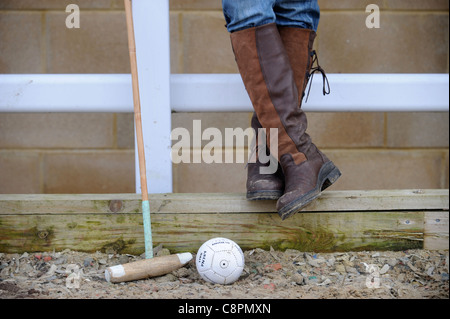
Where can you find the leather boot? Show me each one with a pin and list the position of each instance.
(262, 186)
(298, 44)
(268, 76)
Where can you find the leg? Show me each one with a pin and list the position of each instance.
(239, 15)
(269, 78)
(243, 14)
(304, 14)
(261, 186)
(297, 23)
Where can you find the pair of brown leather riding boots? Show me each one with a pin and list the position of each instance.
(275, 64)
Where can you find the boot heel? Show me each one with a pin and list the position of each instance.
(331, 178)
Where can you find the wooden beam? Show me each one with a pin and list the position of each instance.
(337, 221)
(436, 230)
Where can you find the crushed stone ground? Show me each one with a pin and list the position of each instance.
(292, 274)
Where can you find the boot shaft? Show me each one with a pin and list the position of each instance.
(267, 74)
(299, 48)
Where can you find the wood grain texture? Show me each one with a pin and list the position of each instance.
(337, 221)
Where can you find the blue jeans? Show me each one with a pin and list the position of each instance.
(243, 14)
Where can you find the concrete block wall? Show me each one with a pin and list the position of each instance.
(94, 153)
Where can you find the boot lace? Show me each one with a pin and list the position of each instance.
(318, 68)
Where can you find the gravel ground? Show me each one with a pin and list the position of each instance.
(412, 274)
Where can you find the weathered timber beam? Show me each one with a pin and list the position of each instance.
(182, 203)
(338, 221)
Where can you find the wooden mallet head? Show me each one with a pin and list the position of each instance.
(146, 268)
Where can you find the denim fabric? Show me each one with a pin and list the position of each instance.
(243, 14)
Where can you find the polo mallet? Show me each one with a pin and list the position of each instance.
(148, 267)
(139, 134)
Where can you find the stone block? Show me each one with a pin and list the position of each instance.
(53, 4)
(100, 45)
(404, 43)
(335, 130)
(417, 130)
(89, 172)
(210, 178)
(206, 44)
(21, 42)
(388, 169)
(224, 122)
(56, 130)
(20, 172)
(406, 5)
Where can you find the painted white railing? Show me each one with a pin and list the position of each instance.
(220, 93)
(162, 92)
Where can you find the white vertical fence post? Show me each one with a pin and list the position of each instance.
(152, 34)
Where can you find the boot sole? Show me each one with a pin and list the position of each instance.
(328, 174)
(264, 195)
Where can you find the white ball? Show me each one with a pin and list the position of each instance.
(220, 261)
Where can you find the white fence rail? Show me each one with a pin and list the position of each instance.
(221, 93)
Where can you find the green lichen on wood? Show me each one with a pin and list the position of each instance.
(31, 239)
(185, 221)
(118, 246)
